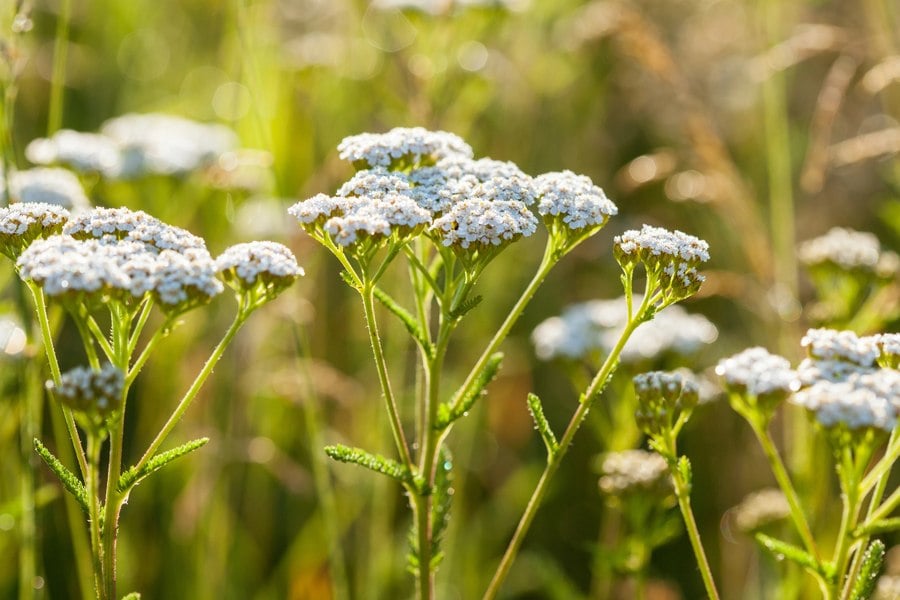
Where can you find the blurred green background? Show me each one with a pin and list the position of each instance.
(754, 125)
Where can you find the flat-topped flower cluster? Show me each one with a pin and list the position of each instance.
(411, 181)
(135, 145)
(124, 255)
(846, 382)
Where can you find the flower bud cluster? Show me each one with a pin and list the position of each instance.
(23, 223)
(757, 379)
(635, 472)
(663, 400)
(670, 256)
(97, 393)
(759, 509)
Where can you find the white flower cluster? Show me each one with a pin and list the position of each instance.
(48, 186)
(135, 145)
(760, 508)
(864, 400)
(634, 471)
(21, 224)
(375, 183)
(254, 262)
(757, 372)
(401, 143)
(88, 390)
(83, 152)
(138, 226)
(829, 344)
(845, 248)
(573, 198)
(654, 384)
(596, 325)
(663, 398)
(120, 254)
(658, 243)
(483, 223)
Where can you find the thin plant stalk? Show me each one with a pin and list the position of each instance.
(554, 460)
(58, 77)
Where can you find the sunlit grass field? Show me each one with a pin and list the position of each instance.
(755, 126)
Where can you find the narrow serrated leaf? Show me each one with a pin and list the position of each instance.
(873, 559)
(460, 311)
(447, 413)
(375, 462)
(542, 425)
(408, 320)
(442, 496)
(133, 476)
(684, 468)
(783, 550)
(68, 479)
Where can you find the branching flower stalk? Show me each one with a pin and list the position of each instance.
(851, 390)
(124, 263)
(420, 196)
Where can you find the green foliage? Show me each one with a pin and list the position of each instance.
(447, 413)
(134, 476)
(542, 425)
(375, 462)
(72, 484)
(872, 561)
(782, 550)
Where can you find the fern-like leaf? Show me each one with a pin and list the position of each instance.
(68, 479)
(134, 476)
(542, 425)
(447, 413)
(781, 550)
(377, 463)
(873, 559)
(460, 311)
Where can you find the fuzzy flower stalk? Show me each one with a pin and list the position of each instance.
(850, 388)
(665, 404)
(121, 266)
(421, 196)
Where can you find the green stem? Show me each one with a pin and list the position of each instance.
(368, 298)
(40, 306)
(683, 494)
(92, 486)
(553, 460)
(58, 80)
(787, 486)
(192, 392)
(138, 364)
(549, 259)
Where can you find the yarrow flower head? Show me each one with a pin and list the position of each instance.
(158, 144)
(846, 346)
(842, 248)
(889, 349)
(633, 472)
(864, 401)
(375, 183)
(670, 256)
(48, 186)
(261, 269)
(757, 380)
(120, 255)
(665, 401)
(572, 201)
(588, 327)
(759, 509)
(96, 393)
(480, 224)
(23, 223)
(401, 147)
(82, 152)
